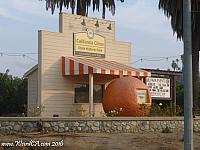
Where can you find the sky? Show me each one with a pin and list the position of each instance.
(137, 21)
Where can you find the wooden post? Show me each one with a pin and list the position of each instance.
(91, 106)
(171, 94)
(174, 94)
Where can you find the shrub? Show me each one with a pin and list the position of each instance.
(165, 111)
(166, 130)
(115, 112)
(36, 112)
(145, 109)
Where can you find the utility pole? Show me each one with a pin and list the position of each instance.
(187, 75)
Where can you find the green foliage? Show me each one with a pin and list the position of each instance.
(13, 94)
(36, 112)
(166, 130)
(179, 94)
(165, 111)
(145, 109)
(180, 98)
(115, 112)
(179, 111)
(81, 7)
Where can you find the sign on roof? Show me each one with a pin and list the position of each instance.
(159, 87)
(89, 44)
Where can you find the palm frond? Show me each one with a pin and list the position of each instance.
(81, 6)
(174, 10)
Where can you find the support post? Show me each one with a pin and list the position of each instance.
(174, 94)
(187, 74)
(91, 105)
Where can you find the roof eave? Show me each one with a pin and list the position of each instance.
(30, 71)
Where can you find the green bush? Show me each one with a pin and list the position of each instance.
(13, 95)
(165, 111)
(115, 112)
(36, 112)
(166, 130)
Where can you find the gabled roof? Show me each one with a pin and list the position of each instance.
(30, 71)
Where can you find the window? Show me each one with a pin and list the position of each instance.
(82, 93)
(142, 96)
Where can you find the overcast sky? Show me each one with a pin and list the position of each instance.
(137, 21)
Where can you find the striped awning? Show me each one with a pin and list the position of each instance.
(80, 66)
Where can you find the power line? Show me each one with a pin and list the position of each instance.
(143, 56)
(155, 59)
(152, 58)
(23, 55)
(136, 61)
(8, 53)
(29, 57)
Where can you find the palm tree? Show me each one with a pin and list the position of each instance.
(81, 6)
(174, 65)
(173, 9)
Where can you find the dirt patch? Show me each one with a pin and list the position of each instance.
(100, 141)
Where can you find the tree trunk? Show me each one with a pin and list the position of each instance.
(195, 77)
(81, 8)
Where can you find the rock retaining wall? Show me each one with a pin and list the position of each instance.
(110, 125)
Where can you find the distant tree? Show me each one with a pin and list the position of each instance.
(82, 5)
(173, 9)
(174, 65)
(177, 60)
(13, 94)
(179, 94)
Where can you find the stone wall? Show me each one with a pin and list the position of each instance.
(110, 125)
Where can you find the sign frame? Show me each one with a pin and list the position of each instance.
(87, 54)
(170, 88)
(145, 95)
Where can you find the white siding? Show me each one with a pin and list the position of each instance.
(32, 91)
(56, 92)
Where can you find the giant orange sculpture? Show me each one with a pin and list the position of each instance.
(125, 93)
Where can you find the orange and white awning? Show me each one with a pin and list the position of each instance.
(80, 66)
